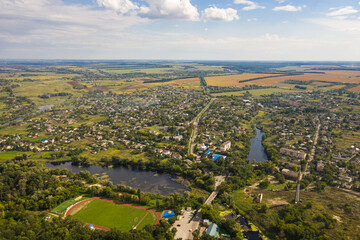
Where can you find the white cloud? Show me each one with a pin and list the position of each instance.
(219, 14)
(288, 8)
(272, 36)
(342, 11)
(121, 6)
(54, 23)
(341, 25)
(251, 5)
(281, 1)
(252, 19)
(169, 9)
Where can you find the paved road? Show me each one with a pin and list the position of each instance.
(312, 153)
(194, 132)
(315, 143)
(184, 231)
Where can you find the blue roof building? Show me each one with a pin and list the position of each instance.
(213, 230)
(207, 152)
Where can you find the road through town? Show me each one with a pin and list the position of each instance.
(185, 225)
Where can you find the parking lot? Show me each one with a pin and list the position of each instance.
(184, 231)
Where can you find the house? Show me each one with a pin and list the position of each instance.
(213, 230)
(178, 137)
(203, 147)
(293, 153)
(320, 166)
(225, 146)
(206, 222)
(289, 174)
(166, 153)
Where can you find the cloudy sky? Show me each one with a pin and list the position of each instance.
(180, 29)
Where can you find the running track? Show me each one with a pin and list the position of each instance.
(68, 211)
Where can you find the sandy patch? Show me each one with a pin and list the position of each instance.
(277, 202)
(78, 207)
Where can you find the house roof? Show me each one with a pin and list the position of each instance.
(213, 230)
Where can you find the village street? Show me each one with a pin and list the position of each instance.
(194, 131)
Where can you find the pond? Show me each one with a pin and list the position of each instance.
(44, 108)
(40, 109)
(257, 151)
(147, 181)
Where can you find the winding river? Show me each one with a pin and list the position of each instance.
(257, 151)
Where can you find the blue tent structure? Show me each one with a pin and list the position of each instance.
(216, 156)
(168, 214)
(207, 152)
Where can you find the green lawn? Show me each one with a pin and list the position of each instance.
(111, 215)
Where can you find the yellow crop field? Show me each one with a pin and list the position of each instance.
(355, 89)
(338, 86)
(233, 80)
(328, 76)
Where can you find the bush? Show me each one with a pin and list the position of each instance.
(264, 184)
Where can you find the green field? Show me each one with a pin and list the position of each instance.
(114, 216)
(63, 206)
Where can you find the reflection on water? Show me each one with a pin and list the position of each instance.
(147, 181)
(257, 150)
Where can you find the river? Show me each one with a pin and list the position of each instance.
(257, 151)
(147, 181)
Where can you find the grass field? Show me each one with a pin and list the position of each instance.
(114, 216)
(63, 206)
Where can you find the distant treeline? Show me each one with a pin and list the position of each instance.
(49, 95)
(203, 82)
(167, 79)
(216, 89)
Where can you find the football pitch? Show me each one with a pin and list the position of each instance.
(107, 215)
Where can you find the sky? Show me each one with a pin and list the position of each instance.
(281, 30)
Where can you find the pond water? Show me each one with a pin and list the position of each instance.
(44, 108)
(40, 109)
(251, 235)
(257, 150)
(147, 181)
